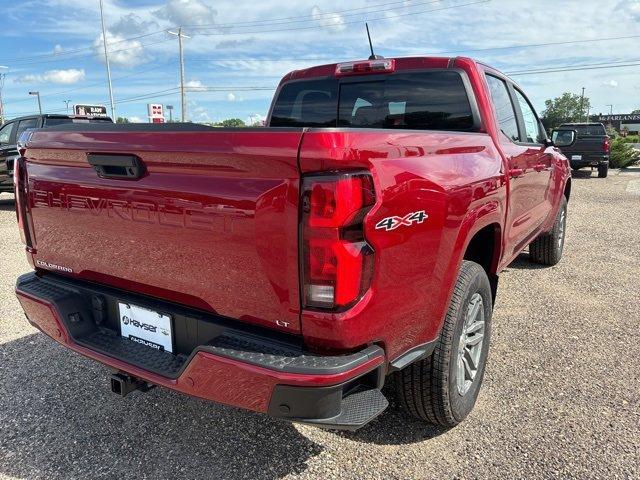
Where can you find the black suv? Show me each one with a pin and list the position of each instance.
(591, 148)
(10, 133)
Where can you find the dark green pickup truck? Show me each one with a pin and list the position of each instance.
(591, 148)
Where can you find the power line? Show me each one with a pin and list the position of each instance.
(318, 16)
(18, 63)
(314, 27)
(79, 50)
(75, 89)
(275, 21)
(569, 69)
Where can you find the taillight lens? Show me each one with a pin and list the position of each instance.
(21, 199)
(337, 262)
(605, 145)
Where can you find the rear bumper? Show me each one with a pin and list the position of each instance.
(588, 160)
(246, 368)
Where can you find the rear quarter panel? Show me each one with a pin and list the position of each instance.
(456, 178)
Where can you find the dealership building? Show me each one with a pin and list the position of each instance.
(619, 121)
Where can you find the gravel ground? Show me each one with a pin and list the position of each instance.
(560, 398)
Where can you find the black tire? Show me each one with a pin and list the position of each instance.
(548, 247)
(428, 389)
(603, 170)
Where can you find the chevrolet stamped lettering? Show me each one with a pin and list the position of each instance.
(192, 215)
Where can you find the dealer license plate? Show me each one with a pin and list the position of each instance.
(146, 327)
(576, 157)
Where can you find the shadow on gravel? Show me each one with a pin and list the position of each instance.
(582, 174)
(58, 420)
(7, 204)
(522, 262)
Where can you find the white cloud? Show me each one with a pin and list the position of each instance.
(66, 77)
(126, 53)
(256, 119)
(131, 25)
(187, 12)
(135, 119)
(231, 97)
(632, 8)
(610, 83)
(58, 48)
(332, 21)
(200, 114)
(194, 86)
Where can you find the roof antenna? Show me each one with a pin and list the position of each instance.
(373, 56)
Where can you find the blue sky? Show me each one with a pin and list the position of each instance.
(239, 50)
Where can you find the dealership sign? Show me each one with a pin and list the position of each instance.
(156, 113)
(619, 118)
(90, 110)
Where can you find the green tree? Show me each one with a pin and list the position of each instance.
(563, 109)
(636, 111)
(232, 122)
(122, 120)
(623, 155)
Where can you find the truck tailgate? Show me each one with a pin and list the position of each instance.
(212, 223)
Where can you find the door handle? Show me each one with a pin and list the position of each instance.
(126, 167)
(516, 172)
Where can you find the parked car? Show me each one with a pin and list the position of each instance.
(11, 131)
(591, 148)
(293, 269)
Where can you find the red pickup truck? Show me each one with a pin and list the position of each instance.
(293, 269)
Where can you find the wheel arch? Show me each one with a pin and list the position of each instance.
(484, 248)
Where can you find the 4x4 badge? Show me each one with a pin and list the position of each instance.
(391, 223)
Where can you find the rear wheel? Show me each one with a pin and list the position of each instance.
(603, 170)
(547, 248)
(442, 389)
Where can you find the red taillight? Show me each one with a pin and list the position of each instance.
(366, 66)
(21, 198)
(605, 145)
(336, 259)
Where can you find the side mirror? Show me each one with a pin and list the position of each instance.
(563, 138)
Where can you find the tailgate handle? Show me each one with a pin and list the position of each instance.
(128, 167)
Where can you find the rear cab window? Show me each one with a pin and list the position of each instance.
(421, 100)
(587, 130)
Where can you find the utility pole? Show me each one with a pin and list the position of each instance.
(66, 104)
(183, 94)
(610, 114)
(582, 104)
(2, 77)
(106, 59)
(37, 94)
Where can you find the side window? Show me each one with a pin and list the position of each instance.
(24, 124)
(5, 132)
(531, 124)
(504, 108)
